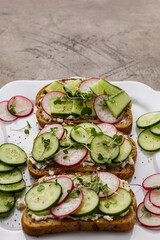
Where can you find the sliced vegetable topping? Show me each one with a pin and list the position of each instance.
(148, 141)
(104, 149)
(85, 86)
(56, 128)
(46, 100)
(89, 204)
(73, 202)
(45, 146)
(70, 157)
(148, 119)
(43, 196)
(154, 197)
(146, 218)
(149, 206)
(117, 203)
(102, 111)
(84, 132)
(20, 106)
(12, 155)
(66, 140)
(5, 115)
(16, 187)
(14, 176)
(66, 184)
(108, 129)
(7, 202)
(152, 182)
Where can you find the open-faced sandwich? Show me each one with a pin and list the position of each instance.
(83, 147)
(99, 201)
(74, 101)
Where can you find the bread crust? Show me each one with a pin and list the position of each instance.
(119, 224)
(121, 126)
(123, 173)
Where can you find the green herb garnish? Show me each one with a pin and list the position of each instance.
(40, 188)
(86, 110)
(118, 138)
(26, 131)
(58, 101)
(28, 124)
(144, 211)
(155, 187)
(12, 109)
(73, 194)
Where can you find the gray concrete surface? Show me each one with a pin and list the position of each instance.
(49, 39)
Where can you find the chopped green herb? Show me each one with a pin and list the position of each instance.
(28, 124)
(58, 101)
(75, 145)
(87, 173)
(65, 151)
(73, 194)
(114, 145)
(118, 138)
(156, 187)
(65, 157)
(12, 109)
(8, 204)
(144, 211)
(86, 110)
(26, 131)
(46, 142)
(40, 188)
(100, 157)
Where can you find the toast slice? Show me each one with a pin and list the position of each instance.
(119, 223)
(123, 173)
(124, 125)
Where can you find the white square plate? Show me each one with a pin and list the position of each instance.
(144, 99)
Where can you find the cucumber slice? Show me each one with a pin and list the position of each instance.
(117, 203)
(43, 196)
(66, 141)
(55, 86)
(148, 119)
(61, 107)
(12, 155)
(125, 151)
(104, 149)
(16, 187)
(77, 108)
(89, 203)
(14, 176)
(41, 151)
(7, 202)
(72, 87)
(82, 133)
(149, 141)
(155, 129)
(5, 168)
(117, 103)
(104, 87)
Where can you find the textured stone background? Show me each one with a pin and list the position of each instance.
(49, 39)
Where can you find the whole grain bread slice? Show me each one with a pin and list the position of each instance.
(123, 173)
(125, 125)
(119, 223)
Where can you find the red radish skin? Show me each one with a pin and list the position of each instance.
(66, 184)
(151, 181)
(67, 208)
(108, 128)
(107, 115)
(60, 132)
(150, 222)
(86, 84)
(71, 161)
(5, 115)
(154, 198)
(149, 206)
(23, 106)
(45, 103)
(111, 180)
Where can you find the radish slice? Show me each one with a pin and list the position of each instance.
(152, 221)
(46, 100)
(57, 128)
(102, 112)
(154, 197)
(68, 207)
(23, 106)
(119, 133)
(85, 85)
(66, 184)
(72, 157)
(108, 129)
(152, 181)
(149, 206)
(4, 114)
(111, 180)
